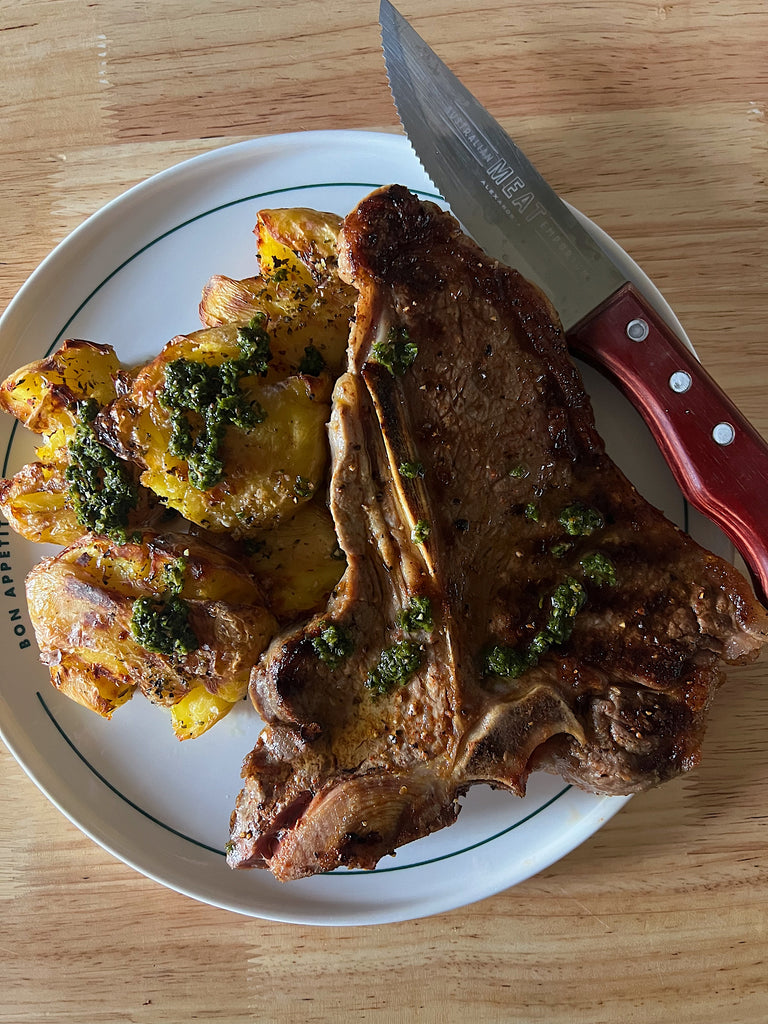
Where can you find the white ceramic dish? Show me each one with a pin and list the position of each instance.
(131, 276)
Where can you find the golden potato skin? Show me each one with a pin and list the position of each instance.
(81, 602)
(97, 682)
(268, 471)
(42, 395)
(35, 502)
(197, 712)
(228, 301)
(307, 238)
(299, 289)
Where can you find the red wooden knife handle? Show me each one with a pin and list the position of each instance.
(719, 460)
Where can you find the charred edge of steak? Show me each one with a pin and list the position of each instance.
(351, 821)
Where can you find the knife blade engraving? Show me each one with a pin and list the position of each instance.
(504, 183)
(499, 172)
(497, 194)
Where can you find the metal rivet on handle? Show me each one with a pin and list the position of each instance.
(637, 330)
(680, 381)
(723, 433)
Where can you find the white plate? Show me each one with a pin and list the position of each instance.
(131, 276)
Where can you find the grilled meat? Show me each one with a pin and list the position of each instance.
(511, 602)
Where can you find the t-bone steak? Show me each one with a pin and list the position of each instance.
(511, 603)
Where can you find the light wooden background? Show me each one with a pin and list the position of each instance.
(651, 118)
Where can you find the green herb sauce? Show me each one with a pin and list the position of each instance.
(580, 520)
(599, 568)
(565, 603)
(420, 532)
(397, 353)
(213, 395)
(417, 616)
(396, 666)
(102, 489)
(506, 661)
(163, 626)
(561, 549)
(173, 575)
(410, 470)
(332, 645)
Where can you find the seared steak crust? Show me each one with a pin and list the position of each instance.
(473, 476)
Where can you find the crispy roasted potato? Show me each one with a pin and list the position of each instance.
(198, 710)
(298, 564)
(266, 471)
(300, 240)
(209, 430)
(37, 506)
(40, 502)
(43, 395)
(300, 291)
(228, 301)
(170, 615)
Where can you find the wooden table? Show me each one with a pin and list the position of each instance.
(651, 118)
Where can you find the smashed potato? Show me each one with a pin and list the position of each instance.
(307, 304)
(299, 564)
(67, 492)
(301, 241)
(36, 503)
(169, 614)
(225, 427)
(266, 470)
(43, 395)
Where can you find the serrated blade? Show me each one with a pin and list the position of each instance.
(492, 188)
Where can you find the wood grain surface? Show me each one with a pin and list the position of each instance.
(651, 118)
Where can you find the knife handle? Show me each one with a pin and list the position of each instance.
(719, 460)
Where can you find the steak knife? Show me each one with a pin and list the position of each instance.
(718, 459)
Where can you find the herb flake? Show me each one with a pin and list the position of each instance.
(312, 362)
(303, 487)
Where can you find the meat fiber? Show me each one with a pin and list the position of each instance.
(511, 603)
